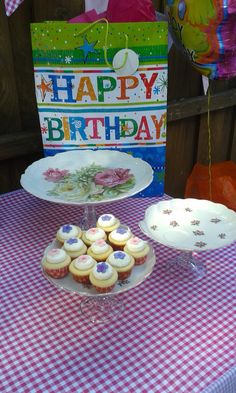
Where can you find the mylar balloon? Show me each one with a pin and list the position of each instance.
(206, 32)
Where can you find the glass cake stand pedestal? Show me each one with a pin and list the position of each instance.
(101, 307)
(187, 266)
(88, 219)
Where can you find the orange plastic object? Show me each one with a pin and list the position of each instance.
(223, 183)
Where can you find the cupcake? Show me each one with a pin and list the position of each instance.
(93, 234)
(108, 222)
(74, 247)
(103, 277)
(81, 267)
(119, 237)
(138, 249)
(122, 263)
(56, 263)
(67, 231)
(100, 250)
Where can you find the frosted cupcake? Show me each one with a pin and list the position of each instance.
(67, 231)
(74, 247)
(103, 277)
(122, 263)
(119, 237)
(81, 267)
(108, 222)
(100, 250)
(56, 263)
(138, 249)
(93, 234)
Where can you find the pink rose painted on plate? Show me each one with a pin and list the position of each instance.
(112, 177)
(55, 175)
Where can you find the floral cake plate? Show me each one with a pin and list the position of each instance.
(82, 177)
(189, 225)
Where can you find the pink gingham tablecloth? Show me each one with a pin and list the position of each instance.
(172, 337)
(11, 6)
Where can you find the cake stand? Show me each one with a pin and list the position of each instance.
(191, 226)
(99, 308)
(87, 178)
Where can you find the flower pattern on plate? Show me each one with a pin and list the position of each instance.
(195, 222)
(200, 244)
(198, 233)
(215, 220)
(91, 183)
(194, 225)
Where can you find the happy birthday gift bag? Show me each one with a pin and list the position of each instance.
(83, 103)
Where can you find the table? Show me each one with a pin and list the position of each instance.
(173, 336)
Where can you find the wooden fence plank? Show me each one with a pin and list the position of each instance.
(233, 144)
(20, 144)
(56, 10)
(11, 171)
(187, 107)
(180, 155)
(220, 132)
(19, 26)
(9, 104)
(181, 135)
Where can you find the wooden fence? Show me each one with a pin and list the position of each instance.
(187, 133)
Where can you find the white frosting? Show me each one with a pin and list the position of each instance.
(106, 220)
(119, 259)
(56, 255)
(84, 262)
(73, 244)
(102, 271)
(121, 234)
(67, 231)
(99, 247)
(94, 234)
(135, 244)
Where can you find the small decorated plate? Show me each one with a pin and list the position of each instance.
(138, 275)
(87, 177)
(190, 224)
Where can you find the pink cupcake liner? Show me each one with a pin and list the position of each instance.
(57, 273)
(140, 261)
(124, 275)
(104, 290)
(81, 280)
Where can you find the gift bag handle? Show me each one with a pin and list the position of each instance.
(106, 42)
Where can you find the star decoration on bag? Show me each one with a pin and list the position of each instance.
(87, 47)
(44, 87)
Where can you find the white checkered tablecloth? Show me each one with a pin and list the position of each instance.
(173, 336)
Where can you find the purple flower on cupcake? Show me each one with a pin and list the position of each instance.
(119, 255)
(106, 217)
(72, 241)
(102, 267)
(66, 228)
(121, 230)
